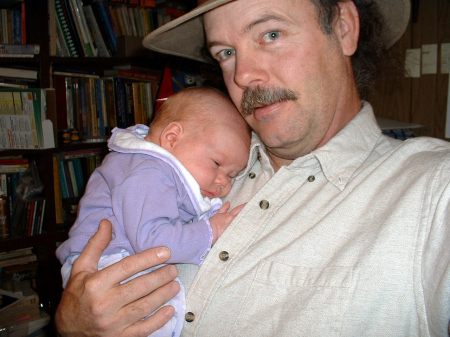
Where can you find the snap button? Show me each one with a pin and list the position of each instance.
(189, 317)
(264, 204)
(311, 179)
(224, 256)
(251, 175)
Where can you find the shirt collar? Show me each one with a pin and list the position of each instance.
(339, 158)
(342, 155)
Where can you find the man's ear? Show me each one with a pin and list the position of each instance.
(348, 27)
(171, 134)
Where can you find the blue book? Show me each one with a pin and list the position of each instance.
(105, 26)
(79, 176)
(62, 178)
(101, 122)
(17, 26)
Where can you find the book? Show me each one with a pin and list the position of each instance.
(105, 27)
(81, 25)
(19, 315)
(15, 253)
(20, 73)
(32, 49)
(79, 176)
(67, 29)
(73, 178)
(24, 111)
(18, 260)
(96, 33)
(63, 181)
(133, 74)
(68, 179)
(141, 3)
(57, 190)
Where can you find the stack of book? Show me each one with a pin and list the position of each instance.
(72, 170)
(20, 310)
(96, 104)
(11, 169)
(23, 119)
(92, 29)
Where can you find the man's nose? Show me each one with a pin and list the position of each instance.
(249, 70)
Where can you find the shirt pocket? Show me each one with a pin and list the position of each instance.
(286, 300)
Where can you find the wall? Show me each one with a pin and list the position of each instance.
(420, 100)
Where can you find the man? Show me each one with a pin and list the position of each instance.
(345, 231)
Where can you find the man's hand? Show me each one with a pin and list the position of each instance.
(94, 302)
(222, 219)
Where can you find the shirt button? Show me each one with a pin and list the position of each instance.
(311, 179)
(264, 204)
(259, 156)
(224, 256)
(251, 175)
(189, 317)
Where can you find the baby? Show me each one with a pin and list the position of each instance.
(161, 186)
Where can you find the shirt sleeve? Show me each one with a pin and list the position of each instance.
(435, 255)
(149, 204)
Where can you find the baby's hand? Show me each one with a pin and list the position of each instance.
(220, 221)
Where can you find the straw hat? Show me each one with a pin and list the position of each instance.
(184, 36)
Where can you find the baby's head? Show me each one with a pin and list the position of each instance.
(204, 130)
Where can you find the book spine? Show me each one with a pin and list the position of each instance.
(84, 127)
(33, 49)
(121, 99)
(66, 29)
(96, 33)
(107, 10)
(100, 107)
(76, 24)
(94, 108)
(63, 181)
(68, 179)
(104, 27)
(57, 189)
(18, 260)
(79, 176)
(23, 22)
(138, 75)
(59, 83)
(73, 178)
(18, 161)
(17, 26)
(65, 7)
(41, 225)
(86, 28)
(129, 104)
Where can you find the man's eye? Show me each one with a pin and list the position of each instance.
(224, 54)
(271, 36)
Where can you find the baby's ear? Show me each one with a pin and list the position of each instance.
(171, 134)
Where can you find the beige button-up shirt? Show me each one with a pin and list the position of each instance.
(352, 239)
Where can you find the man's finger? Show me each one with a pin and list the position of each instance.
(89, 257)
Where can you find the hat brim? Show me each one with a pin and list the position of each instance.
(185, 36)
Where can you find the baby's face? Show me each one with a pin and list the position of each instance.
(215, 157)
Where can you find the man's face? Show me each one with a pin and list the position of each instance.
(278, 46)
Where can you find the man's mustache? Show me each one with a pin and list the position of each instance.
(259, 96)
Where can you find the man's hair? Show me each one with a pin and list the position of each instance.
(371, 43)
(370, 53)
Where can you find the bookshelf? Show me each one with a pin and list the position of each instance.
(44, 245)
